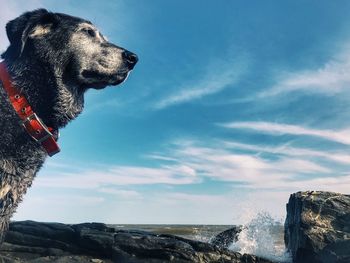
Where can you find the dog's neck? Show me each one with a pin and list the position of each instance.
(55, 101)
(12, 133)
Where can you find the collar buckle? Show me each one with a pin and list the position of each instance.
(42, 133)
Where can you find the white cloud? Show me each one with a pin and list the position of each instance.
(283, 172)
(330, 79)
(119, 175)
(193, 198)
(218, 77)
(340, 136)
(126, 194)
(189, 164)
(339, 184)
(257, 184)
(249, 169)
(290, 151)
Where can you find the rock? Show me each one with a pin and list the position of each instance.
(164, 248)
(30, 241)
(317, 227)
(227, 237)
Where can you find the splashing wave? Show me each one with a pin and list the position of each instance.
(262, 236)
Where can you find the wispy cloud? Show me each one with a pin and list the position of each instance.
(339, 184)
(121, 193)
(189, 162)
(330, 79)
(194, 198)
(219, 76)
(250, 170)
(290, 151)
(120, 175)
(268, 181)
(340, 136)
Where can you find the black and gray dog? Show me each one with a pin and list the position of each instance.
(53, 59)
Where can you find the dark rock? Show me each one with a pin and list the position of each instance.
(317, 227)
(30, 241)
(227, 237)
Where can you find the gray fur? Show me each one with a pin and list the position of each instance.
(54, 59)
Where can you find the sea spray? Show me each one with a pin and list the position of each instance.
(262, 236)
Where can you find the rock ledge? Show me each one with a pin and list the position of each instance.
(29, 241)
(317, 227)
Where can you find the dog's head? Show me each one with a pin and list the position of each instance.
(55, 58)
(72, 47)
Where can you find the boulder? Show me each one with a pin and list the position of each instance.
(30, 241)
(317, 227)
(225, 238)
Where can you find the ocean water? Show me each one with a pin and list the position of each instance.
(196, 232)
(261, 236)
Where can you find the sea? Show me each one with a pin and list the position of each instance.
(261, 236)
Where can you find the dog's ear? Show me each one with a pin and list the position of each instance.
(29, 25)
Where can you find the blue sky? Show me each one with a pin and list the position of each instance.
(232, 107)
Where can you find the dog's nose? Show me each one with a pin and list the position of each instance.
(130, 57)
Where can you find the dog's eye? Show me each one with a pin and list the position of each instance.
(90, 32)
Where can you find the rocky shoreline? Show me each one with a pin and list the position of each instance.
(30, 241)
(317, 230)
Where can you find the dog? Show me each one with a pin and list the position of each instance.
(52, 60)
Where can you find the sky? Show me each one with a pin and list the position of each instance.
(231, 108)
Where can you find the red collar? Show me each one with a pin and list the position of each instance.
(30, 121)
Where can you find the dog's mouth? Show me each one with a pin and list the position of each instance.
(97, 80)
